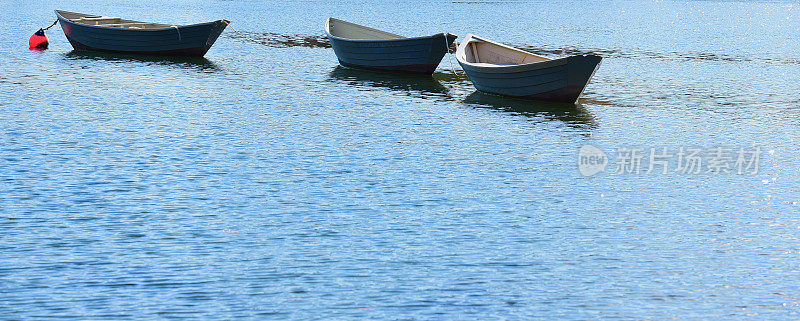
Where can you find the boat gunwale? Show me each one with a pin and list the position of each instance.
(172, 27)
(496, 68)
(403, 38)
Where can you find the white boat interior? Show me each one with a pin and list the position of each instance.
(349, 30)
(489, 53)
(113, 22)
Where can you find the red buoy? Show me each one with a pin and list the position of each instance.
(38, 41)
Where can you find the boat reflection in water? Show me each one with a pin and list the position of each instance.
(198, 63)
(420, 86)
(573, 115)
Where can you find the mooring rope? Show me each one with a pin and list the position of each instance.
(54, 23)
(239, 33)
(447, 45)
(179, 32)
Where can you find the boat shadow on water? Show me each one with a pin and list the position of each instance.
(573, 115)
(421, 86)
(198, 63)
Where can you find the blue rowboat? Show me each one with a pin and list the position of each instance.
(116, 35)
(362, 47)
(499, 69)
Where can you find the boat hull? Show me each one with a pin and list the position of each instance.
(192, 40)
(559, 80)
(412, 55)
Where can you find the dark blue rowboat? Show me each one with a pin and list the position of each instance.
(366, 48)
(496, 68)
(116, 35)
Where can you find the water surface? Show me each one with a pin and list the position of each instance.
(263, 181)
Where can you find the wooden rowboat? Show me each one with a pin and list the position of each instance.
(116, 35)
(362, 47)
(496, 68)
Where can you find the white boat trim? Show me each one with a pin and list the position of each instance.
(377, 35)
(506, 60)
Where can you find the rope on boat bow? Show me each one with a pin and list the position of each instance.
(239, 33)
(54, 23)
(451, 53)
(179, 32)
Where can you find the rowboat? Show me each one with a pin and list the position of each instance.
(362, 47)
(499, 69)
(116, 35)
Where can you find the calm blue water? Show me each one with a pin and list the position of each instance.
(265, 182)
